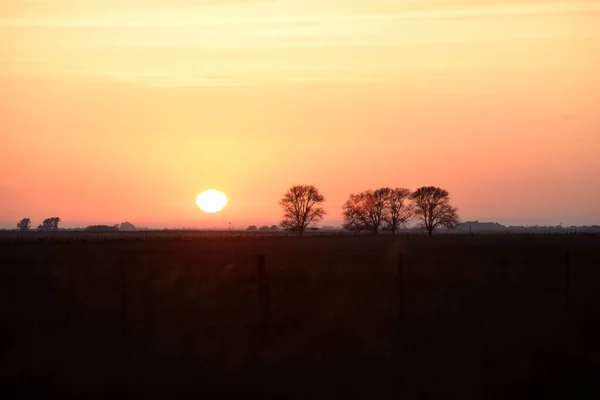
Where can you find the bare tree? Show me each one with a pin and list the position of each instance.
(432, 207)
(24, 224)
(365, 211)
(302, 206)
(397, 211)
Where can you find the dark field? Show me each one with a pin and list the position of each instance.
(483, 317)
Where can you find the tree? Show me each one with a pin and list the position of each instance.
(432, 207)
(397, 212)
(302, 206)
(274, 228)
(264, 228)
(49, 224)
(252, 228)
(24, 224)
(365, 211)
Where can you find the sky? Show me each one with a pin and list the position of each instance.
(126, 110)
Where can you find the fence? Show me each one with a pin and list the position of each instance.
(174, 235)
(265, 298)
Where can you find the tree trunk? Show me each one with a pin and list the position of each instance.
(430, 231)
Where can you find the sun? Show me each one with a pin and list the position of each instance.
(211, 201)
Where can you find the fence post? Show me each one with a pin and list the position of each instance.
(568, 303)
(264, 298)
(123, 296)
(401, 288)
(73, 280)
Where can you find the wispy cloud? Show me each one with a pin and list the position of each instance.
(130, 13)
(287, 39)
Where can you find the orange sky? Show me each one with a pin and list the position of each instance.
(125, 110)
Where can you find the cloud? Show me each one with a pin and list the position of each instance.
(251, 42)
(262, 13)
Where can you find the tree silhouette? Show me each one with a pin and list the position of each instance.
(397, 211)
(49, 224)
(274, 228)
(365, 211)
(252, 228)
(24, 225)
(301, 207)
(432, 207)
(264, 228)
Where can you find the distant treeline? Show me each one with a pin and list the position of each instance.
(51, 224)
(476, 226)
(374, 211)
(125, 226)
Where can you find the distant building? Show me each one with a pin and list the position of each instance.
(127, 226)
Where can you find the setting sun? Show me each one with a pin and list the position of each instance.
(211, 201)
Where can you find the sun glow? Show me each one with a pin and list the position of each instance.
(211, 201)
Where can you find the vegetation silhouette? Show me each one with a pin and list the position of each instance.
(432, 208)
(102, 228)
(24, 225)
(364, 211)
(49, 224)
(302, 206)
(372, 210)
(398, 211)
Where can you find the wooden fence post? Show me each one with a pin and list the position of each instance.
(401, 288)
(264, 298)
(123, 296)
(568, 303)
(73, 281)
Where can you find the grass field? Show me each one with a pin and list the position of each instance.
(482, 317)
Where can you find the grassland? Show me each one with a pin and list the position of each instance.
(482, 317)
